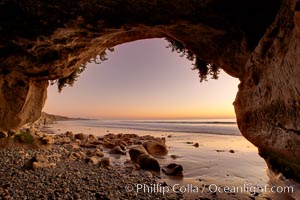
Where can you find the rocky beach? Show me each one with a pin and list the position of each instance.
(71, 167)
(41, 163)
(67, 179)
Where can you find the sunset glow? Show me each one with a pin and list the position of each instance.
(144, 80)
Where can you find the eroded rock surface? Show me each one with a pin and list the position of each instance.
(268, 102)
(21, 99)
(140, 155)
(43, 41)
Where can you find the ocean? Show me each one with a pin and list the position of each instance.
(206, 126)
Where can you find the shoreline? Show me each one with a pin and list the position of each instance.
(209, 165)
(116, 126)
(244, 166)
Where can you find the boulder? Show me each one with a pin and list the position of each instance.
(69, 134)
(123, 143)
(196, 144)
(147, 161)
(123, 147)
(82, 154)
(148, 174)
(37, 165)
(80, 136)
(174, 156)
(136, 151)
(30, 130)
(92, 160)
(88, 145)
(173, 169)
(77, 141)
(3, 134)
(156, 148)
(96, 143)
(97, 152)
(105, 162)
(11, 133)
(66, 140)
(92, 138)
(56, 157)
(110, 136)
(39, 134)
(73, 146)
(47, 140)
(78, 155)
(108, 144)
(117, 150)
(38, 161)
(139, 155)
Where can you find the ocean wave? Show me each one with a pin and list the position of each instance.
(211, 127)
(183, 122)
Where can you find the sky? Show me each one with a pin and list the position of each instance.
(144, 80)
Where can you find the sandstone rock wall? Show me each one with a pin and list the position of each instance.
(41, 41)
(21, 100)
(268, 102)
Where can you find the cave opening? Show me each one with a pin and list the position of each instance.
(145, 88)
(145, 70)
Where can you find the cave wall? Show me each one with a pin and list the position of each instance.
(268, 101)
(44, 41)
(255, 41)
(50, 40)
(21, 100)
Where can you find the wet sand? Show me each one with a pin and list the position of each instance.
(219, 161)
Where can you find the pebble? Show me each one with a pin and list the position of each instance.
(70, 179)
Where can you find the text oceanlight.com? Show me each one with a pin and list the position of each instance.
(211, 188)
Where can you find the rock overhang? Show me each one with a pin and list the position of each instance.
(49, 40)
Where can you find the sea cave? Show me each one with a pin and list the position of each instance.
(254, 41)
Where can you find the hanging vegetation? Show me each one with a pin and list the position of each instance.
(204, 68)
(69, 80)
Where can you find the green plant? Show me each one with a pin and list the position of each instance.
(204, 68)
(24, 137)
